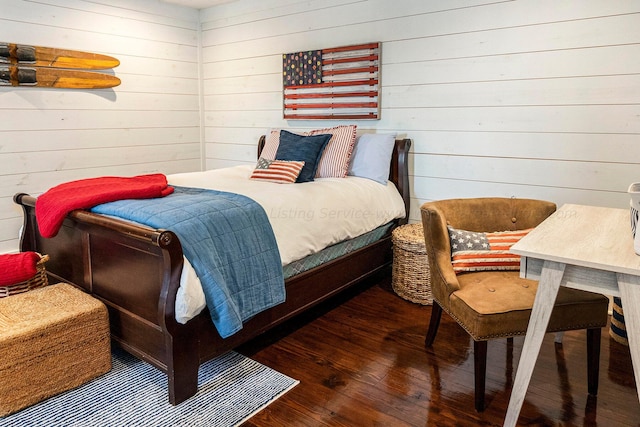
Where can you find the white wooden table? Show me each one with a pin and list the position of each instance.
(581, 247)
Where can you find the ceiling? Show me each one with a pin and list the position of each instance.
(198, 4)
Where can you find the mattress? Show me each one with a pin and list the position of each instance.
(306, 218)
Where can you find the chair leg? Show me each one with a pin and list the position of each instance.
(509, 367)
(593, 359)
(434, 323)
(480, 372)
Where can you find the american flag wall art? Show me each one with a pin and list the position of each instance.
(336, 83)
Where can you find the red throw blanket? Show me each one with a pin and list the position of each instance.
(56, 203)
(16, 268)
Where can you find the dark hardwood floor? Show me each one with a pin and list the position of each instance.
(361, 361)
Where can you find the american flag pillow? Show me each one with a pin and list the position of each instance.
(280, 171)
(478, 251)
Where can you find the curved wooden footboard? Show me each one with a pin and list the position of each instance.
(135, 271)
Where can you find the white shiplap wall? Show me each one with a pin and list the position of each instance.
(150, 123)
(528, 98)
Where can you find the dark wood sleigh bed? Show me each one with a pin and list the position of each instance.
(135, 271)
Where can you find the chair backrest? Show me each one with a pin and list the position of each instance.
(475, 214)
(494, 213)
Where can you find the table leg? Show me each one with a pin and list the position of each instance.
(630, 295)
(548, 286)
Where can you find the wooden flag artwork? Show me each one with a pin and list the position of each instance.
(336, 83)
(37, 66)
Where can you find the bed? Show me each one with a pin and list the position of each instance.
(135, 270)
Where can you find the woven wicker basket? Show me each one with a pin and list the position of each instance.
(410, 276)
(37, 281)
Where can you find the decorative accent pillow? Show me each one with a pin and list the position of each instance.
(280, 171)
(336, 157)
(307, 149)
(271, 142)
(372, 156)
(478, 251)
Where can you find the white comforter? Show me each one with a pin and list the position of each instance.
(305, 218)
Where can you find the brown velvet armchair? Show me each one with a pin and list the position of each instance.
(497, 304)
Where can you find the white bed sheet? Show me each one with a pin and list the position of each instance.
(305, 218)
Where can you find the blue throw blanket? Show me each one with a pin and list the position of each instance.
(228, 240)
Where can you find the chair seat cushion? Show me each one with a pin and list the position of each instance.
(491, 304)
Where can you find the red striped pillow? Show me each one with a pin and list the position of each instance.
(280, 171)
(335, 159)
(271, 143)
(478, 251)
(336, 156)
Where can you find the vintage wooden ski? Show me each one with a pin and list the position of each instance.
(13, 75)
(38, 56)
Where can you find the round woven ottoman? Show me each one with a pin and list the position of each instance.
(410, 276)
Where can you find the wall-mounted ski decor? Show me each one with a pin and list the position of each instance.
(337, 83)
(22, 65)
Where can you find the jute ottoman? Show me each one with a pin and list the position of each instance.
(52, 339)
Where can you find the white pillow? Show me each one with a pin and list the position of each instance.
(371, 156)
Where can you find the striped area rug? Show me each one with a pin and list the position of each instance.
(231, 389)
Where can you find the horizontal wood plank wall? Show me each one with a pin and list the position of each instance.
(529, 98)
(150, 123)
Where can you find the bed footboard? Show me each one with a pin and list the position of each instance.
(135, 271)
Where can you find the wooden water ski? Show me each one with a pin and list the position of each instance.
(55, 78)
(39, 56)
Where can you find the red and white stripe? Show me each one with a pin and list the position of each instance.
(334, 162)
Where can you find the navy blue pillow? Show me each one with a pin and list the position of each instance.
(298, 148)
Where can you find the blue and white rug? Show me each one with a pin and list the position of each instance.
(231, 388)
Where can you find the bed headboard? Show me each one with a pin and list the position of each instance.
(398, 174)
